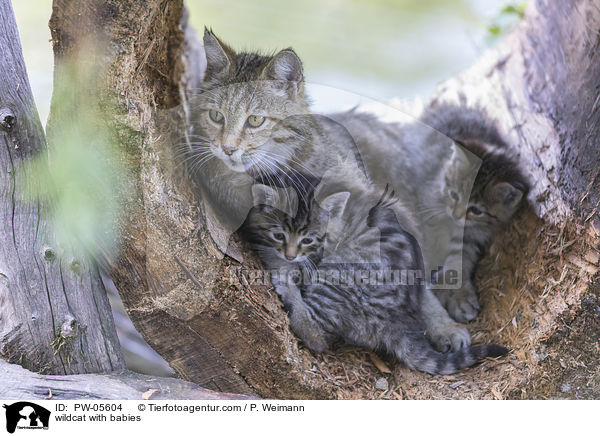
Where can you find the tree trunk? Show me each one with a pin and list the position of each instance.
(184, 295)
(542, 84)
(175, 283)
(54, 313)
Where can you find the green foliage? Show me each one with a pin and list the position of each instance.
(506, 20)
(80, 182)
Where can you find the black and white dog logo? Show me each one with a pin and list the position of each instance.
(26, 415)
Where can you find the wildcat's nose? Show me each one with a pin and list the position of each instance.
(228, 149)
(290, 256)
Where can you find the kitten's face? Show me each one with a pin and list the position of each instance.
(289, 239)
(495, 204)
(491, 201)
(246, 106)
(294, 230)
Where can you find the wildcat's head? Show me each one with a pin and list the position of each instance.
(250, 108)
(289, 226)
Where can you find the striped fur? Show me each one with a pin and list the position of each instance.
(384, 316)
(498, 191)
(416, 159)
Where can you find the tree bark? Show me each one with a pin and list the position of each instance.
(540, 84)
(177, 287)
(54, 313)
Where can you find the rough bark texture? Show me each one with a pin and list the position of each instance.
(20, 384)
(54, 313)
(177, 287)
(541, 84)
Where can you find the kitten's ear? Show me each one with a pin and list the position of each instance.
(286, 67)
(335, 204)
(284, 200)
(462, 158)
(507, 194)
(219, 56)
(263, 195)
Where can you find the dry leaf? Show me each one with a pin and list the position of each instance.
(49, 396)
(146, 395)
(380, 364)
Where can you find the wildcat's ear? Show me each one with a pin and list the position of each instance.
(219, 56)
(335, 204)
(507, 194)
(286, 67)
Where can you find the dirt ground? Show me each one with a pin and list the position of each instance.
(540, 292)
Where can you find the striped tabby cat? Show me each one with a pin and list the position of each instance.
(325, 235)
(428, 168)
(498, 191)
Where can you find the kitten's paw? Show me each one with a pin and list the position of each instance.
(311, 333)
(450, 338)
(462, 305)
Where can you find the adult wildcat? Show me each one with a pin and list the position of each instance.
(251, 122)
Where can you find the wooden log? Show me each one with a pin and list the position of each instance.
(21, 384)
(181, 293)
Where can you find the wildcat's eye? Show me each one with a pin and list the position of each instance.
(475, 211)
(307, 241)
(216, 116)
(255, 121)
(278, 236)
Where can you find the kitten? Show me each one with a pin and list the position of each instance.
(287, 229)
(497, 194)
(401, 318)
(421, 163)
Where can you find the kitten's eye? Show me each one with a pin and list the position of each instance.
(307, 241)
(255, 121)
(216, 116)
(474, 210)
(278, 236)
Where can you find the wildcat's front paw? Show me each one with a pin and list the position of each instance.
(462, 305)
(450, 337)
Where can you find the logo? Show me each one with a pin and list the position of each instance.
(26, 415)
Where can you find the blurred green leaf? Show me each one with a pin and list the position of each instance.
(494, 29)
(80, 179)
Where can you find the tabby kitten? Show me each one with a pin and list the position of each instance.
(498, 191)
(404, 319)
(421, 162)
(286, 228)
